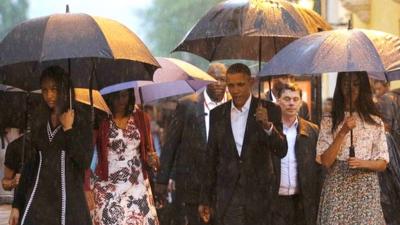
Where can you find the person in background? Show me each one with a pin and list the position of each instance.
(277, 84)
(184, 150)
(386, 106)
(389, 179)
(300, 178)
(327, 107)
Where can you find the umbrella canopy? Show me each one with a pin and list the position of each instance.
(240, 29)
(91, 43)
(15, 104)
(376, 52)
(175, 77)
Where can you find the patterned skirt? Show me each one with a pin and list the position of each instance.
(350, 197)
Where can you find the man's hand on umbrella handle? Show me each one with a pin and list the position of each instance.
(205, 213)
(67, 119)
(14, 217)
(262, 117)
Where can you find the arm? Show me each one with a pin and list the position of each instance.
(269, 117)
(78, 139)
(10, 179)
(329, 156)
(380, 154)
(173, 140)
(374, 165)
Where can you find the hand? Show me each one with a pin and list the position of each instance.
(348, 124)
(171, 185)
(355, 163)
(153, 160)
(160, 194)
(262, 116)
(67, 119)
(90, 200)
(205, 213)
(16, 179)
(14, 217)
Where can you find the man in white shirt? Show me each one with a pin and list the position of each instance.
(277, 83)
(300, 176)
(238, 169)
(183, 153)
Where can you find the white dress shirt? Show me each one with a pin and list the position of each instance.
(238, 123)
(289, 182)
(208, 106)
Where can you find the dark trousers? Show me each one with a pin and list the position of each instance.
(288, 210)
(235, 213)
(187, 214)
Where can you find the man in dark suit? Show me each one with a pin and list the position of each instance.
(238, 169)
(277, 84)
(185, 146)
(299, 176)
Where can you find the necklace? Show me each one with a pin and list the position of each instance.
(51, 134)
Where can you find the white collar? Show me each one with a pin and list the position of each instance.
(245, 107)
(295, 124)
(274, 99)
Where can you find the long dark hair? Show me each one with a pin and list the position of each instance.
(63, 84)
(364, 104)
(131, 102)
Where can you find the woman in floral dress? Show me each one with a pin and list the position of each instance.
(351, 192)
(122, 190)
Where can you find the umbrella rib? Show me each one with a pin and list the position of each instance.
(44, 35)
(376, 53)
(98, 27)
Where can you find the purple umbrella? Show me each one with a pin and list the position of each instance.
(175, 77)
(376, 52)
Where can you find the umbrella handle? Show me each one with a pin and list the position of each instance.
(351, 149)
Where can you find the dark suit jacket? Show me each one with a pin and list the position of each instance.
(309, 172)
(303, 112)
(185, 148)
(224, 166)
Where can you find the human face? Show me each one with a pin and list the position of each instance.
(327, 107)
(216, 90)
(355, 87)
(49, 92)
(379, 89)
(239, 86)
(120, 101)
(290, 103)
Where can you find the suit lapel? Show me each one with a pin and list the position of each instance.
(251, 126)
(201, 116)
(231, 139)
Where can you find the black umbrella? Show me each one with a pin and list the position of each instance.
(250, 29)
(80, 43)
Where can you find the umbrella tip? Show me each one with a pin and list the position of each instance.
(67, 8)
(350, 25)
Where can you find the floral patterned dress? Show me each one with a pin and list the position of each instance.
(126, 198)
(352, 196)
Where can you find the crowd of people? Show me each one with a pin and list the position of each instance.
(226, 158)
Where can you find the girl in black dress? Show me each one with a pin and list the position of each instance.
(51, 186)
